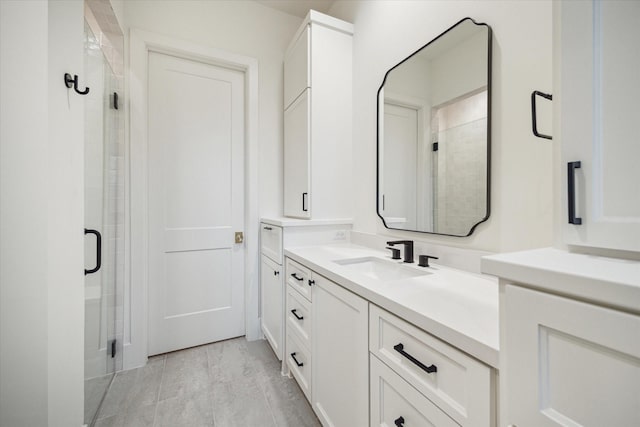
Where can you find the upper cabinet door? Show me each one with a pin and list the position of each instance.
(599, 123)
(297, 198)
(297, 75)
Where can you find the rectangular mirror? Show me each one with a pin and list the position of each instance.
(434, 135)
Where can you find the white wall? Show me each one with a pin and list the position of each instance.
(242, 27)
(521, 189)
(41, 280)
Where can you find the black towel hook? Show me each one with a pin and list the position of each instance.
(73, 82)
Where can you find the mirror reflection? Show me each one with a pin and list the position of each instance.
(433, 135)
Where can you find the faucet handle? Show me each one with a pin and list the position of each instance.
(395, 253)
(423, 260)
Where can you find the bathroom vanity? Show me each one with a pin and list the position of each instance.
(396, 341)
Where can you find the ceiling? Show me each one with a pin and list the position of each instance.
(298, 7)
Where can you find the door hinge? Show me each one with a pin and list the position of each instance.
(113, 349)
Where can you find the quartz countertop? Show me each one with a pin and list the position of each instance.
(458, 307)
(612, 282)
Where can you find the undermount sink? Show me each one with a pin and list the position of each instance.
(380, 269)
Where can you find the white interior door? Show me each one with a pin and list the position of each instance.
(196, 203)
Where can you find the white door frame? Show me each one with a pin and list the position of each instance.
(137, 262)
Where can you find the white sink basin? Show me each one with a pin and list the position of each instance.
(380, 269)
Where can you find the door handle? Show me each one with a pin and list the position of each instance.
(304, 202)
(571, 193)
(534, 114)
(295, 276)
(98, 250)
(295, 313)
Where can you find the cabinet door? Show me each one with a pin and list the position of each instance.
(272, 289)
(599, 110)
(568, 362)
(340, 383)
(297, 198)
(296, 68)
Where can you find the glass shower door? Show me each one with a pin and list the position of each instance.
(103, 226)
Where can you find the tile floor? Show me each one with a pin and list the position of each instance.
(225, 384)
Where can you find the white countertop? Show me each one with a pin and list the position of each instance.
(296, 222)
(609, 281)
(458, 307)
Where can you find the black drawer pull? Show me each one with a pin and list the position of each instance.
(295, 276)
(293, 356)
(399, 422)
(571, 193)
(295, 313)
(267, 228)
(312, 282)
(304, 202)
(276, 272)
(428, 369)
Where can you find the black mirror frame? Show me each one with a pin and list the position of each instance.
(489, 78)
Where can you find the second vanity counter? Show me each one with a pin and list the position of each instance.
(458, 307)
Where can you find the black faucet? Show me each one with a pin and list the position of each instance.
(408, 248)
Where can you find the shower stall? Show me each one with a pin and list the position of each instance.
(104, 203)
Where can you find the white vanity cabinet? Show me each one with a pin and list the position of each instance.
(275, 235)
(597, 109)
(569, 338)
(340, 360)
(327, 348)
(317, 119)
(569, 362)
(455, 388)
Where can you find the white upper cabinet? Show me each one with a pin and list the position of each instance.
(318, 120)
(599, 93)
(296, 68)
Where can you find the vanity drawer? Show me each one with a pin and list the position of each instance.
(395, 402)
(459, 384)
(299, 361)
(298, 277)
(299, 316)
(271, 242)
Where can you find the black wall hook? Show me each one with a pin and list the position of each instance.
(73, 82)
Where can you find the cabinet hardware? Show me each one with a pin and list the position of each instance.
(571, 193)
(293, 356)
(428, 369)
(399, 422)
(295, 276)
(267, 228)
(534, 114)
(276, 272)
(304, 202)
(295, 313)
(72, 82)
(312, 282)
(98, 250)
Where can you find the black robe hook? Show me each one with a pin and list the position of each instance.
(73, 82)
